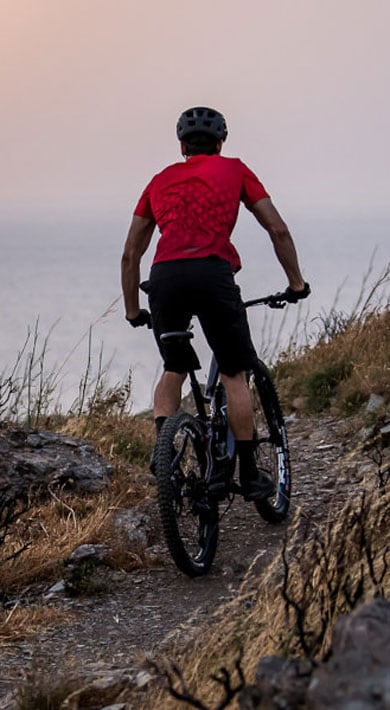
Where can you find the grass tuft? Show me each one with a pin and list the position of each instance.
(21, 622)
(339, 374)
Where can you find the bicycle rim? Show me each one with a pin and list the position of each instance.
(190, 520)
(272, 454)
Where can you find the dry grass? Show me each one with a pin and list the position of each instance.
(341, 372)
(52, 529)
(18, 622)
(291, 609)
(65, 690)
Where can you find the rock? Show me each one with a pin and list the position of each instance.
(299, 403)
(104, 689)
(283, 682)
(376, 435)
(385, 434)
(249, 698)
(135, 526)
(55, 589)
(367, 433)
(143, 678)
(361, 642)
(155, 554)
(290, 418)
(34, 461)
(97, 553)
(85, 570)
(375, 402)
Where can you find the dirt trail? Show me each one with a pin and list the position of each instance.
(144, 608)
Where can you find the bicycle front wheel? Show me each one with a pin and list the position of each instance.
(189, 518)
(272, 454)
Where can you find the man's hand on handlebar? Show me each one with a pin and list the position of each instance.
(143, 318)
(292, 296)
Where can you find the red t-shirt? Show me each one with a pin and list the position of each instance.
(195, 205)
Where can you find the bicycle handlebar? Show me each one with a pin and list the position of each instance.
(279, 300)
(274, 300)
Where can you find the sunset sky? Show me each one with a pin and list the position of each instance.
(91, 91)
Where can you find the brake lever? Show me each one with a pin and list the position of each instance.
(276, 300)
(277, 304)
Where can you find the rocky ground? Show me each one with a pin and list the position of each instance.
(142, 610)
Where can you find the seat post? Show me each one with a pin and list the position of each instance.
(198, 396)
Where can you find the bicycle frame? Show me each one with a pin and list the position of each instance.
(196, 461)
(217, 416)
(218, 410)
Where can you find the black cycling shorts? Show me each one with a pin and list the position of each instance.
(203, 287)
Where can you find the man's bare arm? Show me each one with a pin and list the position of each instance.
(137, 242)
(269, 218)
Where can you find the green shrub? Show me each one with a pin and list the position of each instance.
(352, 402)
(320, 385)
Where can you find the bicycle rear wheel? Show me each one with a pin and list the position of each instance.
(272, 454)
(189, 518)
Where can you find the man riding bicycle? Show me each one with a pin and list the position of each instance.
(195, 206)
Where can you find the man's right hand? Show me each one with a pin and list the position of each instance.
(292, 296)
(143, 318)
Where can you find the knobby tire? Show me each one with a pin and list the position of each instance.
(189, 518)
(272, 454)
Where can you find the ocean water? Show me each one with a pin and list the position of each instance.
(66, 274)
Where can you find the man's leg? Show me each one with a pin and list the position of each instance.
(167, 395)
(239, 406)
(255, 485)
(167, 398)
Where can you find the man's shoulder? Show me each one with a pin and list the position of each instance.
(173, 167)
(165, 174)
(233, 161)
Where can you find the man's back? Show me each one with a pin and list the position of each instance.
(195, 205)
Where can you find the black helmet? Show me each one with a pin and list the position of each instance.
(203, 120)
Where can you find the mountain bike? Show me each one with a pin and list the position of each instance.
(195, 460)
